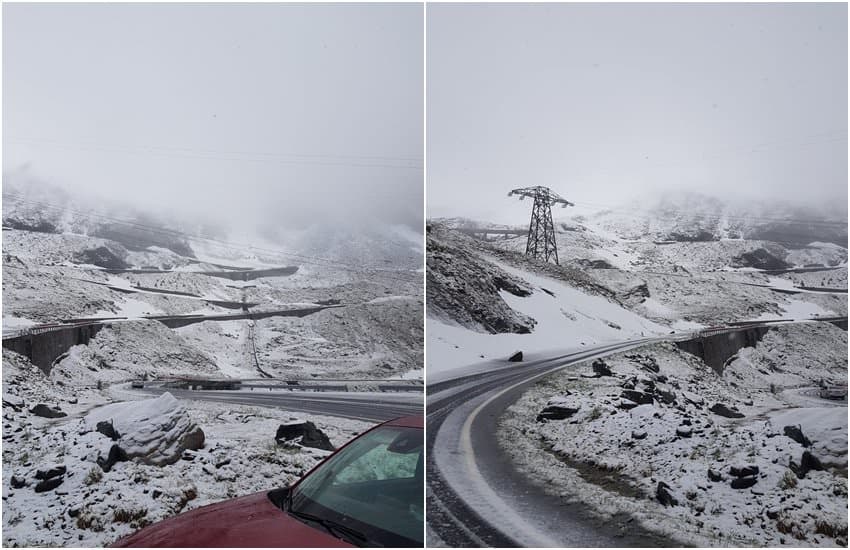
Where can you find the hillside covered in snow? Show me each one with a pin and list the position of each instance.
(744, 451)
(621, 277)
(86, 459)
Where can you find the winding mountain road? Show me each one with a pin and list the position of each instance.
(369, 407)
(475, 497)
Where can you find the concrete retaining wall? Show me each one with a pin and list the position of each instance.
(42, 348)
(716, 349)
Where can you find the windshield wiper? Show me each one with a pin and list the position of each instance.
(334, 528)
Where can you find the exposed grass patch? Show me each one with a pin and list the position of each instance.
(788, 481)
(122, 515)
(94, 475)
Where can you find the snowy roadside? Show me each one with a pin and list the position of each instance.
(93, 507)
(650, 441)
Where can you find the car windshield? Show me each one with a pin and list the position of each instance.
(371, 492)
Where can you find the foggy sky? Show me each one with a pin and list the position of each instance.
(291, 113)
(602, 102)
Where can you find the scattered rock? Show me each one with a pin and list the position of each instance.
(795, 433)
(743, 471)
(638, 434)
(714, 475)
(666, 397)
(49, 484)
(516, 357)
(664, 495)
(684, 431)
(626, 404)
(773, 513)
(116, 454)
(18, 482)
(13, 402)
(107, 429)
(309, 434)
(51, 472)
(556, 412)
(722, 410)
(638, 397)
(743, 482)
(224, 462)
(808, 462)
(693, 398)
(601, 368)
(194, 439)
(44, 411)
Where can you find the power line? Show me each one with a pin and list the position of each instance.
(410, 163)
(239, 247)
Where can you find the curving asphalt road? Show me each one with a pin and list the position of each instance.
(369, 407)
(499, 506)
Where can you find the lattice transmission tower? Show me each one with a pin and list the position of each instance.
(541, 230)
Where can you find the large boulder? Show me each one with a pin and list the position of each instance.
(153, 431)
(305, 433)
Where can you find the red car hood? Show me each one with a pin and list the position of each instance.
(246, 521)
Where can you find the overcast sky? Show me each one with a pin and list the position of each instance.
(258, 111)
(601, 102)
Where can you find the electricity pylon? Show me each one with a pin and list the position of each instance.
(541, 230)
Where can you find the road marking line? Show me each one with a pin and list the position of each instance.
(475, 475)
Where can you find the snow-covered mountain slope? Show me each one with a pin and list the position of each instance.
(477, 287)
(564, 317)
(690, 216)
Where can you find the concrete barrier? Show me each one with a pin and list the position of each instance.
(42, 346)
(716, 347)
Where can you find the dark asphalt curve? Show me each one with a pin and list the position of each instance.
(476, 497)
(369, 408)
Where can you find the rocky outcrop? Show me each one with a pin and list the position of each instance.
(759, 259)
(464, 288)
(101, 257)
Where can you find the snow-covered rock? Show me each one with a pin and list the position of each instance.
(154, 431)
